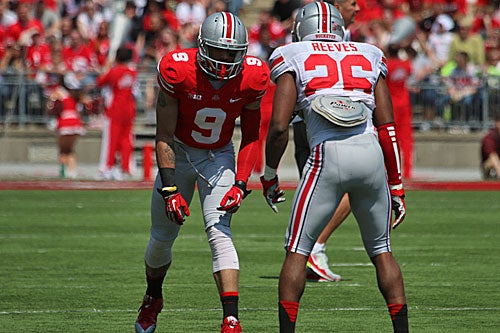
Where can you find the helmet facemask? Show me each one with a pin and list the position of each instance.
(222, 46)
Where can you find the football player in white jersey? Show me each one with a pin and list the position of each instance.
(336, 86)
(317, 264)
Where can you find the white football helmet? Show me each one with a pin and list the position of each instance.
(222, 31)
(318, 21)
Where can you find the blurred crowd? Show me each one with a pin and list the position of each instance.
(454, 44)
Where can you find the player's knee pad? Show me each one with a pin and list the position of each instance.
(224, 254)
(158, 253)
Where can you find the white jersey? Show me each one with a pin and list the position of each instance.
(342, 69)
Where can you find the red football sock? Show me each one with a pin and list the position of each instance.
(399, 316)
(229, 302)
(288, 315)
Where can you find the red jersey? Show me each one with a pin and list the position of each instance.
(15, 30)
(398, 73)
(122, 79)
(101, 48)
(79, 60)
(207, 115)
(38, 55)
(69, 121)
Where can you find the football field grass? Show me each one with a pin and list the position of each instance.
(72, 261)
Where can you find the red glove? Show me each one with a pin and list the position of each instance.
(272, 192)
(175, 205)
(398, 204)
(233, 198)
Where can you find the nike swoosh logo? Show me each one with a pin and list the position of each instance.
(231, 100)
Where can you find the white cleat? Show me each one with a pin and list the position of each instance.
(318, 263)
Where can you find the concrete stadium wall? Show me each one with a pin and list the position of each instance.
(439, 150)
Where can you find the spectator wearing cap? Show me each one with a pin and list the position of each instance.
(464, 40)
(439, 40)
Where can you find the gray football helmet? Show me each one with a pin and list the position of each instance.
(222, 31)
(318, 21)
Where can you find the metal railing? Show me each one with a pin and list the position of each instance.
(23, 102)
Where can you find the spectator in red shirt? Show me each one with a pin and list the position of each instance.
(80, 58)
(26, 25)
(120, 105)
(490, 151)
(168, 16)
(101, 43)
(38, 54)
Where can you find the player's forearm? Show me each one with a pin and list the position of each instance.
(166, 122)
(246, 161)
(277, 140)
(165, 154)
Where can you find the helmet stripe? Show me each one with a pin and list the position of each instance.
(229, 26)
(324, 15)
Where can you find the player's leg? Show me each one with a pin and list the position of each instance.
(372, 209)
(314, 202)
(390, 284)
(114, 141)
(126, 148)
(158, 256)
(103, 155)
(291, 286)
(318, 260)
(216, 178)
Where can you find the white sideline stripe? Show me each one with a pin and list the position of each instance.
(241, 309)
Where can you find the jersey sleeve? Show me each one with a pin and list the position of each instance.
(171, 73)
(383, 67)
(278, 64)
(258, 76)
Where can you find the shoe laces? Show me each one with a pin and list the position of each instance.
(231, 322)
(150, 308)
(321, 259)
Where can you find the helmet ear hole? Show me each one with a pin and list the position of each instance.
(222, 45)
(318, 21)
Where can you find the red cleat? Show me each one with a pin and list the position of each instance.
(148, 312)
(230, 325)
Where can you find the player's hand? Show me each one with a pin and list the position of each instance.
(233, 198)
(176, 207)
(398, 204)
(272, 192)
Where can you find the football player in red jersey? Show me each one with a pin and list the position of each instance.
(203, 92)
(336, 85)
